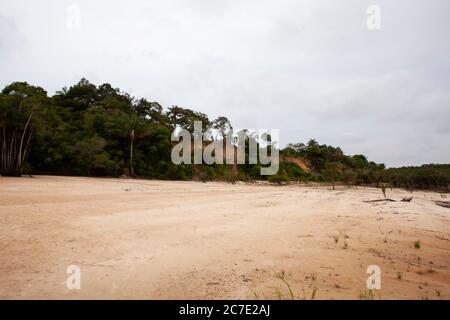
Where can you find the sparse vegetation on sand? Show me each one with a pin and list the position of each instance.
(282, 277)
(189, 240)
(417, 244)
(367, 295)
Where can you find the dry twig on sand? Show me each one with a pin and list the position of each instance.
(380, 200)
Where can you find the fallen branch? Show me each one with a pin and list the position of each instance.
(380, 200)
(444, 204)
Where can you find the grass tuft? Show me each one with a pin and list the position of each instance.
(313, 294)
(282, 277)
(417, 244)
(366, 295)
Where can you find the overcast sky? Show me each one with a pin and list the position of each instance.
(311, 68)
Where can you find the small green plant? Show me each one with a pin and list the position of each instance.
(282, 277)
(278, 294)
(417, 244)
(366, 295)
(313, 294)
(255, 294)
(383, 189)
(279, 179)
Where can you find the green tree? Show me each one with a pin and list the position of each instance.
(332, 172)
(131, 127)
(185, 118)
(18, 102)
(223, 125)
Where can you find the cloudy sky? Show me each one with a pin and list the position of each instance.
(311, 68)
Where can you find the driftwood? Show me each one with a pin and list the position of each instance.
(380, 200)
(444, 204)
(389, 200)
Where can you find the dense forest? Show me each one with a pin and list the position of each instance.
(94, 130)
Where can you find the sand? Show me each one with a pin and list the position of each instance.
(141, 239)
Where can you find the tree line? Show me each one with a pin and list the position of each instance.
(91, 130)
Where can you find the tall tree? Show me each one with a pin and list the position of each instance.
(185, 118)
(133, 128)
(18, 101)
(223, 125)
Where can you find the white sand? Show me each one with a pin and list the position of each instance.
(139, 239)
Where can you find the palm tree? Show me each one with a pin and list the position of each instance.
(133, 128)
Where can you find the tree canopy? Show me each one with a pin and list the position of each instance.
(101, 131)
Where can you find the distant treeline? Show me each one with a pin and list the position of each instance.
(428, 176)
(94, 130)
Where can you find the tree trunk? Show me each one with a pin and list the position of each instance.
(20, 157)
(16, 138)
(131, 152)
(14, 149)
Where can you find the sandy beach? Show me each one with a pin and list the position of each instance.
(142, 239)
